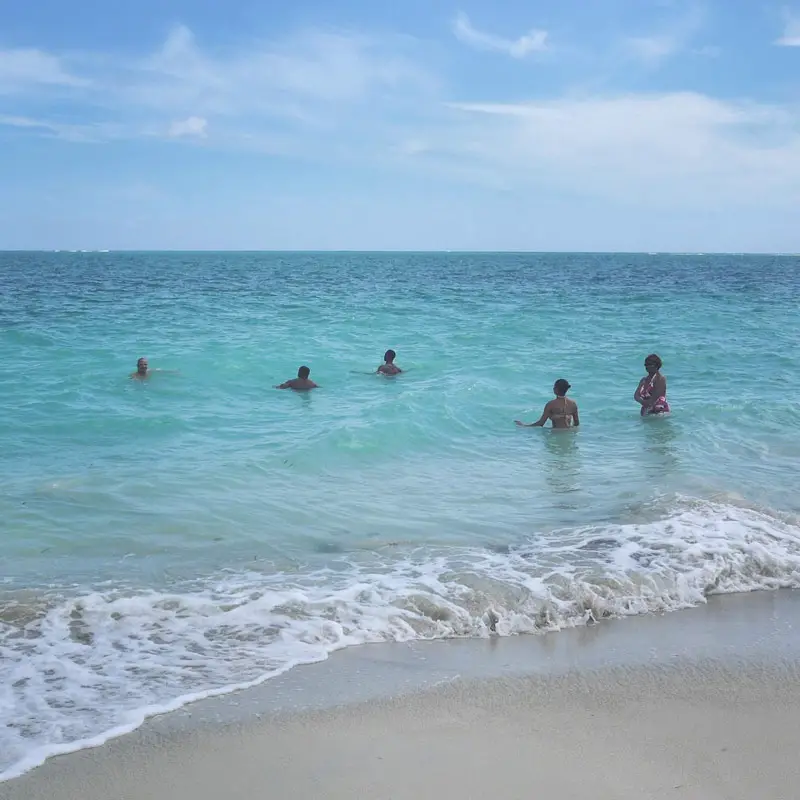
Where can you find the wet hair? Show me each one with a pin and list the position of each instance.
(389, 356)
(303, 372)
(561, 387)
(654, 359)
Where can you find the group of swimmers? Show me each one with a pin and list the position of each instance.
(303, 382)
(562, 411)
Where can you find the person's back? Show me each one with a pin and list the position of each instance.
(561, 411)
(389, 367)
(301, 383)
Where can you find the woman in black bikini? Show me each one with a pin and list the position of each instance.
(562, 411)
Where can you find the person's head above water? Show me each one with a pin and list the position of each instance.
(652, 364)
(561, 387)
(141, 366)
(301, 382)
(389, 356)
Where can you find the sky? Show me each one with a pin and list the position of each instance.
(577, 125)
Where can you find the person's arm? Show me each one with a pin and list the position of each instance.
(575, 419)
(539, 423)
(637, 395)
(283, 385)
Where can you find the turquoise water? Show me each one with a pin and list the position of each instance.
(198, 531)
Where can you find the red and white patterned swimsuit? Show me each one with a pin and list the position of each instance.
(661, 406)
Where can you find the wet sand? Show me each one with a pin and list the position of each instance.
(697, 704)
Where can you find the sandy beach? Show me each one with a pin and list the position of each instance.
(635, 716)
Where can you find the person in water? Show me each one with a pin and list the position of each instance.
(651, 393)
(143, 371)
(389, 367)
(301, 383)
(562, 412)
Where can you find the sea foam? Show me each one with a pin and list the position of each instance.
(78, 670)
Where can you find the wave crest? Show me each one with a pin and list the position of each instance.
(75, 671)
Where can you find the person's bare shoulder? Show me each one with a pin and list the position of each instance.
(300, 384)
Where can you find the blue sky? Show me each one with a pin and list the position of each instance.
(521, 125)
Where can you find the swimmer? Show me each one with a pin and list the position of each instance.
(143, 371)
(651, 393)
(301, 383)
(562, 411)
(389, 367)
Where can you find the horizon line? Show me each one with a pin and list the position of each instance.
(440, 251)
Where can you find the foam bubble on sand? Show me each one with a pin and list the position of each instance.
(75, 671)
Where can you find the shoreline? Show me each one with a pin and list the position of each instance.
(739, 651)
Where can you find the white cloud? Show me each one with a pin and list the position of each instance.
(87, 133)
(532, 42)
(663, 148)
(653, 48)
(22, 68)
(279, 78)
(192, 126)
(413, 147)
(708, 51)
(271, 96)
(674, 38)
(19, 122)
(349, 99)
(791, 31)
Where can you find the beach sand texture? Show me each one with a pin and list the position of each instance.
(719, 727)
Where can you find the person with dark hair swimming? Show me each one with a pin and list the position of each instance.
(651, 393)
(562, 412)
(389, 367)
(301, 383)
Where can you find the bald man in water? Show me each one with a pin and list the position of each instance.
(143, 371)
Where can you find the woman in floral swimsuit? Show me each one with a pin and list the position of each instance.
(651, 393)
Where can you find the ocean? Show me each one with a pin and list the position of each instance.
(170, 539)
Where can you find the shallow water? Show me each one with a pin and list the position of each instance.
(201, 530)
